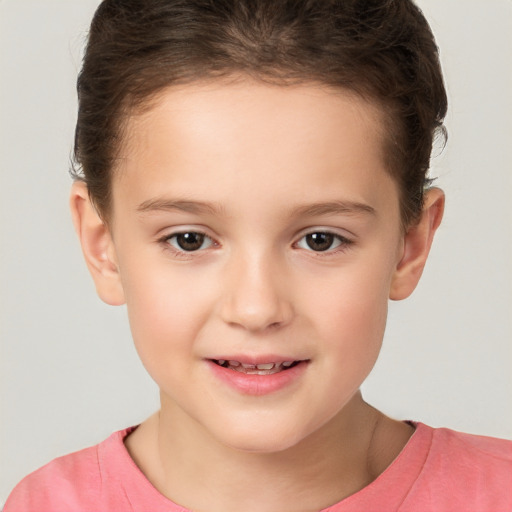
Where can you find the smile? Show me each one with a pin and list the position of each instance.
(259, 376)
(256, 369)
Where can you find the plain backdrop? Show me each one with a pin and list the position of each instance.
(69, 373)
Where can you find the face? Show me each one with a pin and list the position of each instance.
(256, 233)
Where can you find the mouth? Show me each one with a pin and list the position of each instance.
(256, 369)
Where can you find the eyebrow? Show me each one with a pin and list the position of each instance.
(188, 206)
(202, 208)
(334, 208)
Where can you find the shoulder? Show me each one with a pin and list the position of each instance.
(61, 484)
(71, 482)
(470, 452)
(466, 470)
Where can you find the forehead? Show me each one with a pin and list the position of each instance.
(250, 105)
(211, 140)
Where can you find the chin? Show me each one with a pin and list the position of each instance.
(263, 440)
(261, 446)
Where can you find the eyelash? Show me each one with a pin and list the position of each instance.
(179, 252)
(343, 243)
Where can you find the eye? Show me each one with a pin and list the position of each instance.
(189, 241)
(322, 241)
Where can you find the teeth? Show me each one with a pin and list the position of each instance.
(266, 366)
(255, 369)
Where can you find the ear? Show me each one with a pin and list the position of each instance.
(416, 246)
(97, 246)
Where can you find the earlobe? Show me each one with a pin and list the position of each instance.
(416, 246)
(97, 246)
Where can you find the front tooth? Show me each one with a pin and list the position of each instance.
(234, 363)
(265, 366)
(249, 366)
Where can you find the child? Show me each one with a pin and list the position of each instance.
(252, 184)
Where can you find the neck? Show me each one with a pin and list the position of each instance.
(336, 461)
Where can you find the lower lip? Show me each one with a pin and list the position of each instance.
(258, 385)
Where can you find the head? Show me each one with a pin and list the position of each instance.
(380, 50)
(253, 177)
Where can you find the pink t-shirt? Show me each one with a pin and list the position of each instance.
(438, 470)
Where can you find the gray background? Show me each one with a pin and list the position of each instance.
(69, 373)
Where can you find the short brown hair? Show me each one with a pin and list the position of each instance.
(383, 50)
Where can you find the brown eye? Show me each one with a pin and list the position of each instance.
(190, 241)
(321, 241)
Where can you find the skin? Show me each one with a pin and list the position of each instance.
(269, 162)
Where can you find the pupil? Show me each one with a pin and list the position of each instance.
(190, 241)
(319, 241)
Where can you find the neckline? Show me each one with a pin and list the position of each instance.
(392, 485)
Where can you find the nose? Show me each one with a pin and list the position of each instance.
(257, 294)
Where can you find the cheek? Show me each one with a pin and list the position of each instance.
(355, 332)
(166, 312)
(350, 313)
